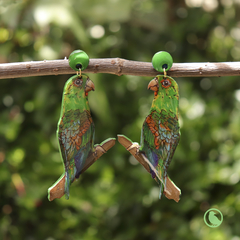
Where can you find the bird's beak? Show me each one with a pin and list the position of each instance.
(89, 86)
(153, 85)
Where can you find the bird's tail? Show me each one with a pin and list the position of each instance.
(67, 185)
(162, 187)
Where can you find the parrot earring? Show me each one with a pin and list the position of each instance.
(75, 130)
(160, 132)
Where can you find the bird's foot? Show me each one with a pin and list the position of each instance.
(134, 146)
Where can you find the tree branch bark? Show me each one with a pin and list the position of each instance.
(118, 66)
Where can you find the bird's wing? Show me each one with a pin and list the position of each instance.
(160, 137)
(75, 134)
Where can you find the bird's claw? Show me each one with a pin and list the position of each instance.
(134, 145)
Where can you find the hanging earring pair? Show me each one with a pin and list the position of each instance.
(75, 130)
(160, 131)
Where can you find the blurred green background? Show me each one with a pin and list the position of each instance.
(116, 198)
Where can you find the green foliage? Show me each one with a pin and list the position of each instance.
(116, 198)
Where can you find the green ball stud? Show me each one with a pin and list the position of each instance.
(78, 59)
(162, 60)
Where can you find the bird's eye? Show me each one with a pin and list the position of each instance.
(78, 82)
(166, 83)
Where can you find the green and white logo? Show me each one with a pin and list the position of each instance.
(213, 218)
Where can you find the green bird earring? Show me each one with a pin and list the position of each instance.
(160, 131)
(75, 129)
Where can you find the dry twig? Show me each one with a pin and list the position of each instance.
(118, 66)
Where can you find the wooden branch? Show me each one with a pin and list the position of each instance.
(118, 66)
(171, 191)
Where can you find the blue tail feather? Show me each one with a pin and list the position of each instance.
(79, 159)
(67, 184)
